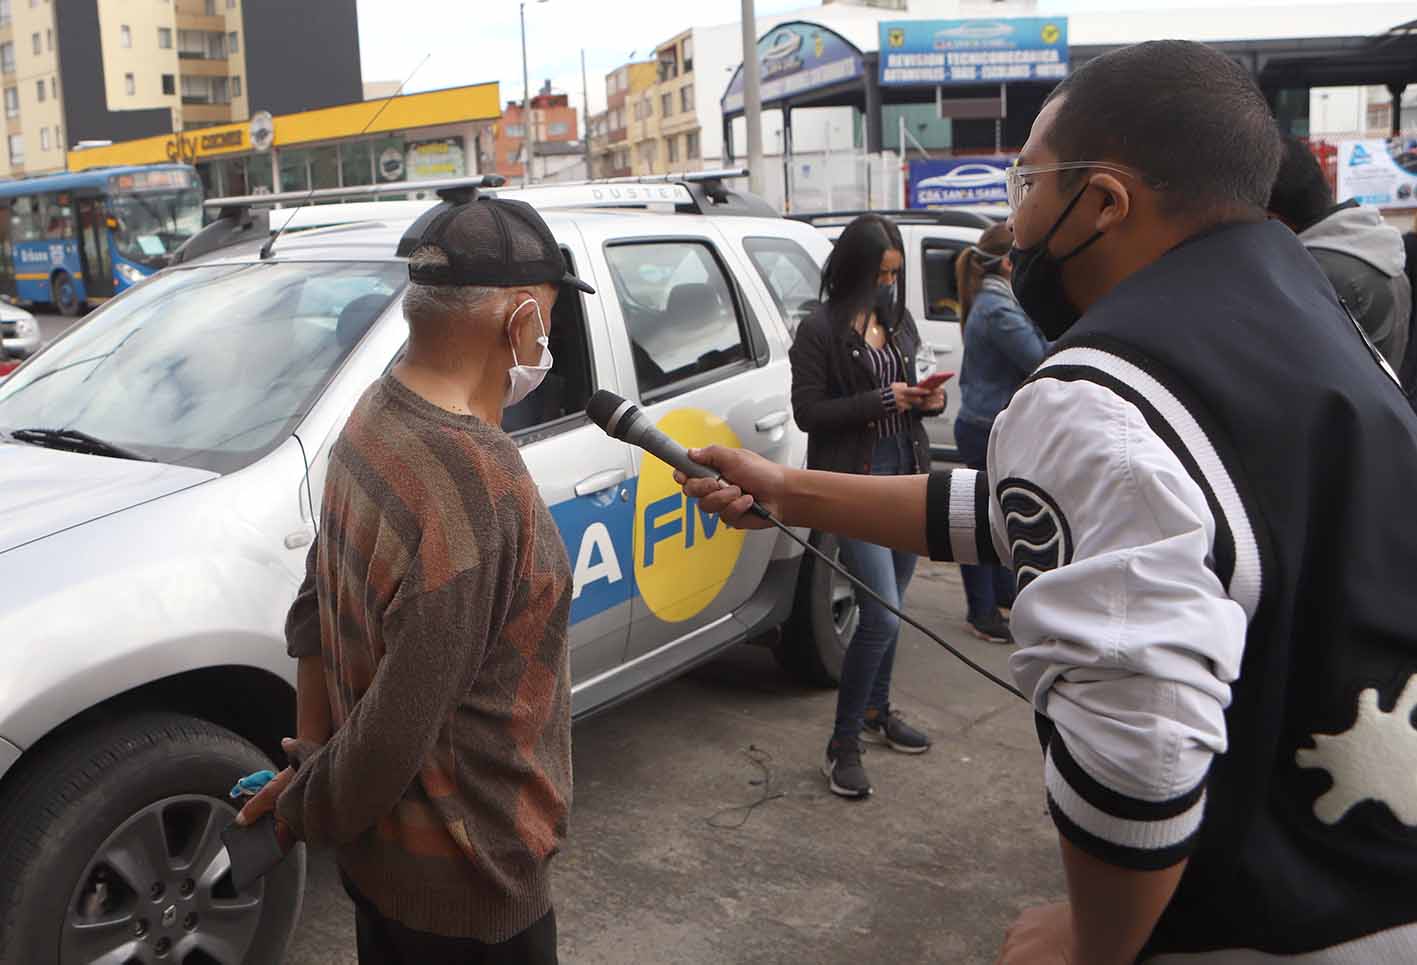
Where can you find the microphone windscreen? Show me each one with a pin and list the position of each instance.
(602, 406)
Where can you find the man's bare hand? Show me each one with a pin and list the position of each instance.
(1040, 936)
(746, 478)
(264, 800)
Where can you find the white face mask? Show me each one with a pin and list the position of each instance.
(524, 379)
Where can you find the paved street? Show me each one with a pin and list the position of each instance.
(931, 869)
(51, 326)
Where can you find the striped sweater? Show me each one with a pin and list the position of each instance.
(438, 594)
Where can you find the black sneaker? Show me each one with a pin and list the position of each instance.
(992, 628)
(892, 731)
(844, 772)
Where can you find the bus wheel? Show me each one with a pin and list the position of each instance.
(66, 296)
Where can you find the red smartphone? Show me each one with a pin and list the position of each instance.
(935, 381)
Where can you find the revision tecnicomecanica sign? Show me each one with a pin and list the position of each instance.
(1378, 172)
(941, 52)
(797, 57)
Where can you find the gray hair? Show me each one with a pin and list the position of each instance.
(436, 307)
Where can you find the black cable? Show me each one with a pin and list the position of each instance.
(764, 514)
(762, 759)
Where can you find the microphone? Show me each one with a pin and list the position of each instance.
(623, 420)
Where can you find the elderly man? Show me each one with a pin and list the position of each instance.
(434, 684)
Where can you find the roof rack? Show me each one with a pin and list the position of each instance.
(449, 189)
(248, 217)
(690, 192)
(939, 216)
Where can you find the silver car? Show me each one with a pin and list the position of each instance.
(19, 332)
(162, 467)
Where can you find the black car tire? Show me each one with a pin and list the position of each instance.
(66, 299)
(824, 618)
(63, 807)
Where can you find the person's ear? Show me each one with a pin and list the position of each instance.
(1116, 201)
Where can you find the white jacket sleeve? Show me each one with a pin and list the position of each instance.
(1128, 639)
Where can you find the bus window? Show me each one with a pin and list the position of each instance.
(26, 219)
(57, 216)
(7, 251)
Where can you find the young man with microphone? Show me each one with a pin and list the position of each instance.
(1204, 492)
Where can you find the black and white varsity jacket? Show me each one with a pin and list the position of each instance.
(1208, 493)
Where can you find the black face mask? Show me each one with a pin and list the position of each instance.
(885, 306)
(1038, 279)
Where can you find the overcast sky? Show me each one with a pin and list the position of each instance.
(394, 35)
(471, 41)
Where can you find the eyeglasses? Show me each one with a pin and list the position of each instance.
(1018, 187)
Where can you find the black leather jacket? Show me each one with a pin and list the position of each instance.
(835, 397)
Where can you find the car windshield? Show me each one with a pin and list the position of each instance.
(211, 367)
(150, 225)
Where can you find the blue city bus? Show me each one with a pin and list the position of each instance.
(68, 240)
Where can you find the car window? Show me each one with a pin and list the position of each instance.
(210, 367)
(790, 274)
(680, 312)
(563, 394)
(938, 271)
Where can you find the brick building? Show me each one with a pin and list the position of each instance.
(554, 119)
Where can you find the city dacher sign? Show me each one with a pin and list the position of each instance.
(477, 102)
(190, 148)
(795, 58)
(917, 53)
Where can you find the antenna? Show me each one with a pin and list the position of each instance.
(269, 247)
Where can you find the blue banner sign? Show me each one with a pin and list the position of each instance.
(939, 52)
(958, 180)
(795, 58)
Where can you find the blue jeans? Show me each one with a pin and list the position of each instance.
(986, 588)
(866, 671)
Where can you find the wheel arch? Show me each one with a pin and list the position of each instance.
(248, 701)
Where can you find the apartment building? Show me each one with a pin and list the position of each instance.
(625, 87)
(554, 121)
(673, 99)
(85, 71)
(599, 143)
(653, 113)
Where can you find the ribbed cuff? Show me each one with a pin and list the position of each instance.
(957, 517)
(1113, 827)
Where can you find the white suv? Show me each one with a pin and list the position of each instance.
(162, 466)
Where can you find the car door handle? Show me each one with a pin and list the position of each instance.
(600, 482)
(770, 422)
(941, 349)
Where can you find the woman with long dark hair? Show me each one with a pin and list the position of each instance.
(1002, 347)
(854, 393)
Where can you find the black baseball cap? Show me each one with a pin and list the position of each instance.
(496, 242)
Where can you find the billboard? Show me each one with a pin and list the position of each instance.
(939, 52)
(795, 58)
(958, 180)
(1378, 172)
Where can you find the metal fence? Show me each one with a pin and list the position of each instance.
(833, 181)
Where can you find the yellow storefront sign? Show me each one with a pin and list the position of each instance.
(477, 102)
